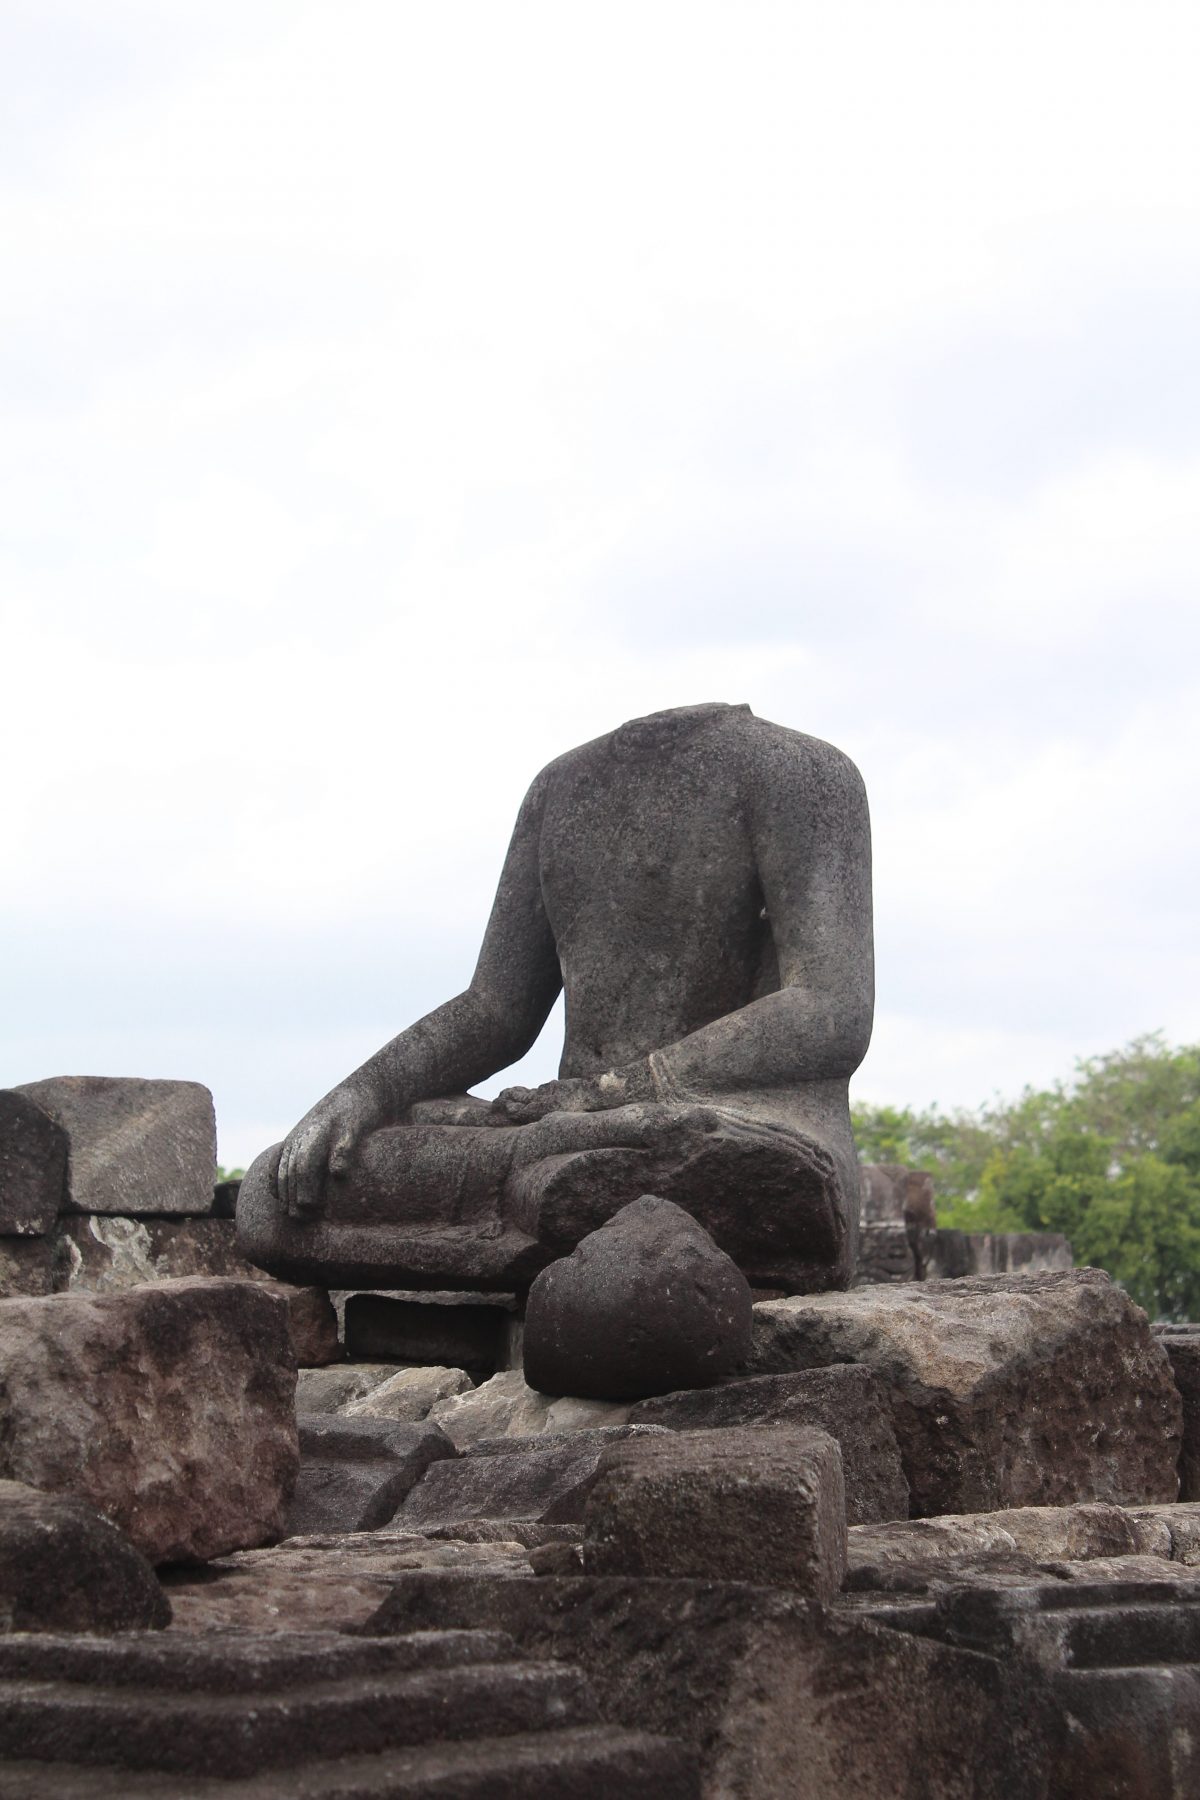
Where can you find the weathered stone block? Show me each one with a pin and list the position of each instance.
(65, 1568)
(525, 1481)
(761, 1504)
(315, 1714)
(169, 1407)
(382, 1328)
(33, 1167)
(28, 1267)
(644, 1305)
(1182, 1345)
(1005, 1390)
(328, 1390)
(103, 1254)
(783, 1699)
(135, 1146)
(1044, 1534)
(354, 1473)
(506, 1406)
(408, 1394)
(847, 1401)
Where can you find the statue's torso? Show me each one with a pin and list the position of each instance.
(649, 881)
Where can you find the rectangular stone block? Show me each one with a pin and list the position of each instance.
(28, 1267)
(384, 1328)
(135, 1147)
(170, 1408)
(103, 1254)
(756, 1503)
(33, 1167)
(847, 1401)
(535, 1479)
(1006, 1391)
(1182, 1345)
(354, 1473)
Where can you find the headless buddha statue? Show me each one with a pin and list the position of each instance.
(699, 884)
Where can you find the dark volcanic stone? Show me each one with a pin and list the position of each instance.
(783, 1699)
(355, 1472)
(1182, 1345)
(136, 1147)
(29, 1267)
(63, 1567)
(846, 1400)
(1006, 1390)
(382, 1329)
(438, 1716)
(761, 1504)
(169, 1407)
(33, 1167)
(643, 1306)
(544, 1481)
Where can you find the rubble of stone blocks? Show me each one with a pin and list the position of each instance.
(108, 1183)
(934, 1539)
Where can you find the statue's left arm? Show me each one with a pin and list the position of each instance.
(812, 846)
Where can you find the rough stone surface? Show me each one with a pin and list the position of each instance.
(313, 1325)
(328, 1390)
(33, 1167)
(408, 1394)
(65, 1568)
(536, 1480)
(1115, 1664)
(761, 1504)
(443, 1713)
(169, 1407)
(1042, 1533)
(506, 1406)
(382, 1328)
(330, 1582)
(716, 1007)
(1005, 1390)
(645, 1305)
(784, 1700)
(102, 1254)
(28, 1267)
(847, 1401)
(1182, 1345)
(355, 1472)
(135, 1146)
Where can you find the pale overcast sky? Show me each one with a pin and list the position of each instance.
(395, 395)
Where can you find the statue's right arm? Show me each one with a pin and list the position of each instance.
(491, 1024)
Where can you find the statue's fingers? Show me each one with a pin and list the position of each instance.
(341, 1154)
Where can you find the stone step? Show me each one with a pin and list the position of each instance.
(589, 1762)
(186, 1711)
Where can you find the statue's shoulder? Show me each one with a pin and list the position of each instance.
(777, 750)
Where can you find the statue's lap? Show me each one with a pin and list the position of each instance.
(481, 1205)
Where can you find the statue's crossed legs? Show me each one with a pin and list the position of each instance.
(465, 1204)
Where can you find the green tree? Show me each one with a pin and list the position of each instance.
(1111, 1160)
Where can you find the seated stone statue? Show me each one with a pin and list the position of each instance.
(699, 883)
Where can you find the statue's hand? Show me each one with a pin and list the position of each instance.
(322, 1145)
(522, 1105)
(589, 1093)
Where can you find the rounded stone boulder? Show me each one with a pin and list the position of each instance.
(645, 1305)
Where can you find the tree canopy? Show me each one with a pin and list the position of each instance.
(1110, 1158)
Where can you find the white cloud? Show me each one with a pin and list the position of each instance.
(397, 395)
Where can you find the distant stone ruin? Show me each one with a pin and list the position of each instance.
(900, 1239)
